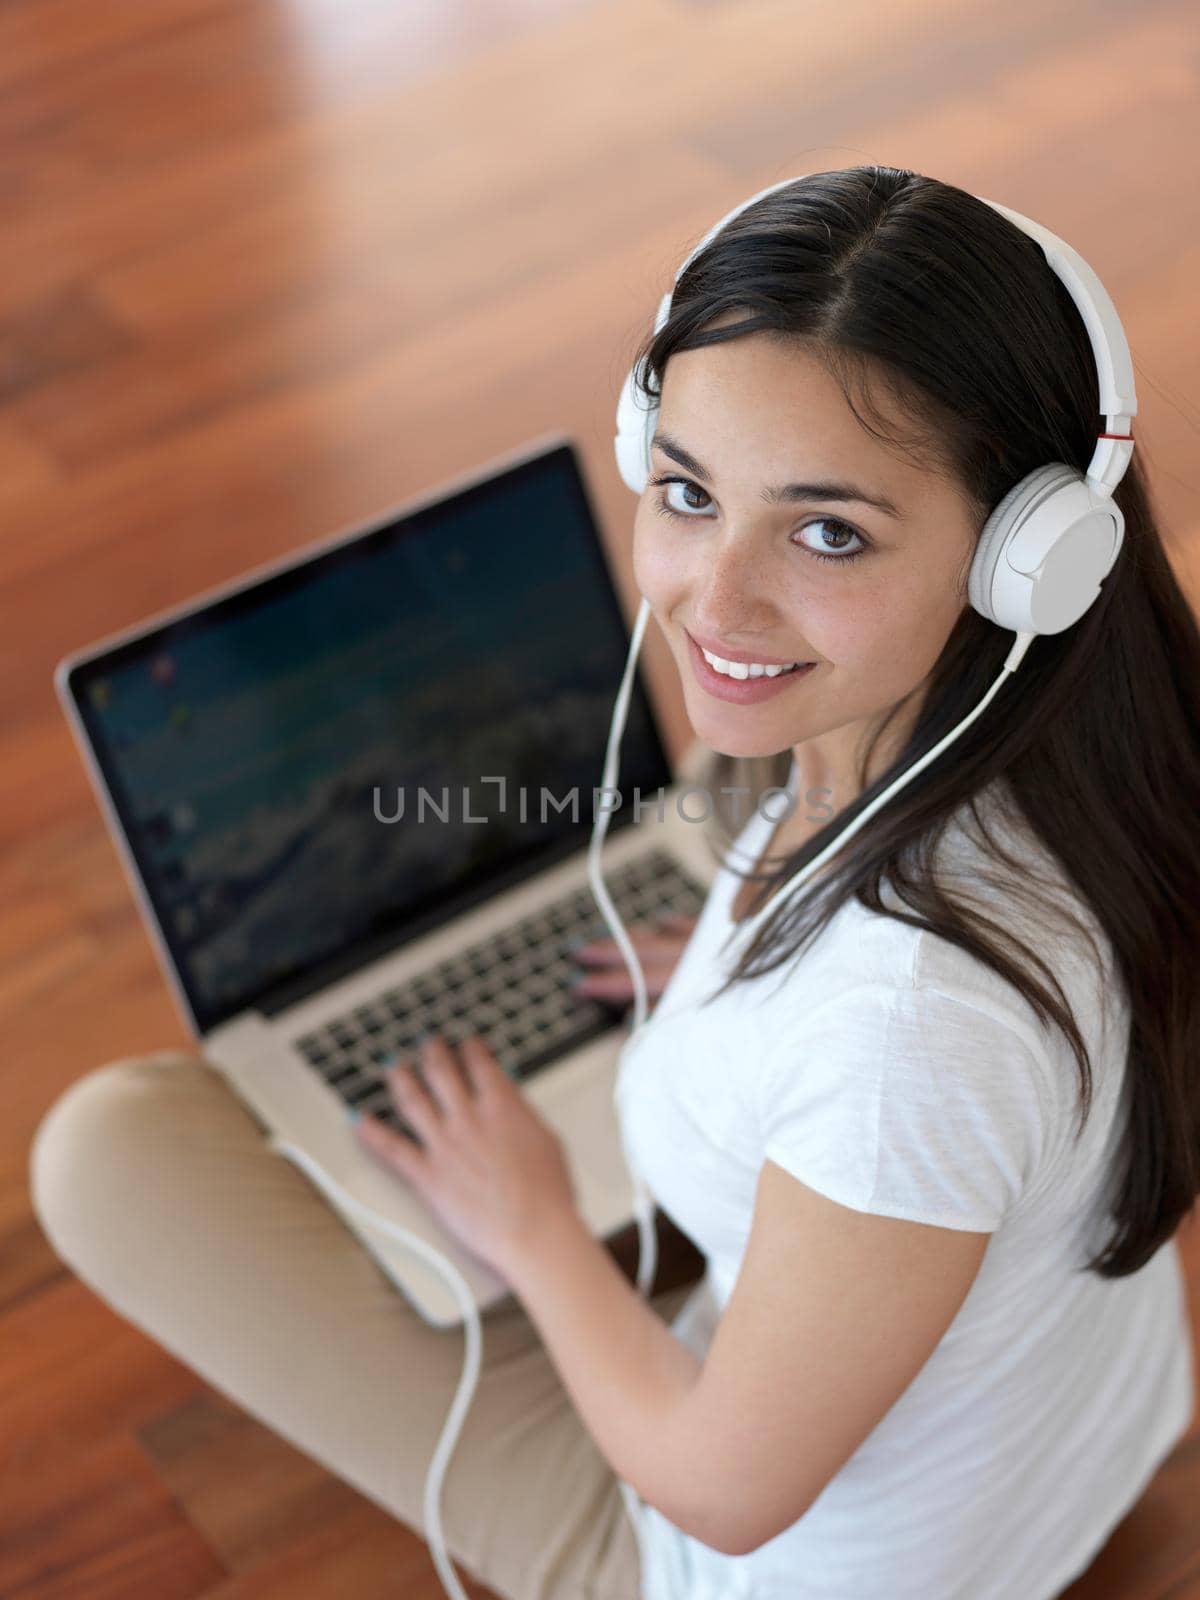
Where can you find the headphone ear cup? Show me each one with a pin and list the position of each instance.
(636, 421)
(1044, 551)
(1003, 521)
(635, 429)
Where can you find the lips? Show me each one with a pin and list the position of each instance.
(742, 691)
(715, 649)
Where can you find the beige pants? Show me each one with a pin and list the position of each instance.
(155, 1185)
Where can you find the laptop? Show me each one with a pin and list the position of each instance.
(353, 791)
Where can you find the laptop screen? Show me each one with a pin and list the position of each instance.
(343, 755)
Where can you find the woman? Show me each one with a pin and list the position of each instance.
(933, 1126)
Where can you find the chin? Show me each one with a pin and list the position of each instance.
(739, 742)
(744, 752)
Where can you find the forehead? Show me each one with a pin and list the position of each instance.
(771, 405)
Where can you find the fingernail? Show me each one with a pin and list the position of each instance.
(353, 1113)
(388, 1061)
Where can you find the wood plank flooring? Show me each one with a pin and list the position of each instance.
(271, 267)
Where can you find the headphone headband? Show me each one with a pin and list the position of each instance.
(1110, 348)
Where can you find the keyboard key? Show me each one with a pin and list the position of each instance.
(512, 990)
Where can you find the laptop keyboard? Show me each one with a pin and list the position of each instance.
(512, 989)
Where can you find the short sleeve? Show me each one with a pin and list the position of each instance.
(906, 1102)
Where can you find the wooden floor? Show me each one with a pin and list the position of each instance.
(270, 267)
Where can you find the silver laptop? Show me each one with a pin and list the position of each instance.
(353, 792)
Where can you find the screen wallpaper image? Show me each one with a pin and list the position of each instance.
(253, 751)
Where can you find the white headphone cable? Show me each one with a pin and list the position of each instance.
(472, 1361)
(1012, 661)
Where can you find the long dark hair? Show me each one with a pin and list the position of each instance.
(895, 279)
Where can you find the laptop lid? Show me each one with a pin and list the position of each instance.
(262, 752)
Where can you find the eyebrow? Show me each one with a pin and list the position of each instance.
(786, 492)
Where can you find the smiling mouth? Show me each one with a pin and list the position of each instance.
(741, 671)
(748, 689)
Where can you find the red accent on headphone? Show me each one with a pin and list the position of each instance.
(1127, 436)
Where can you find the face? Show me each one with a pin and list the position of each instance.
(867, 597)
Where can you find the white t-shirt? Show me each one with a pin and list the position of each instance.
(896, 1074)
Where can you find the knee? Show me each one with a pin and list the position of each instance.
(85, 1151)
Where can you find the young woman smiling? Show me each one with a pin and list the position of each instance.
(934, 1123)
(932, 1120)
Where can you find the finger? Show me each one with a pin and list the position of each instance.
(393, 1149)
(619, 985)
(678, 922)
(411, 1099)
(484, 1072)
(649, 947)
(636, 931)
(659, 965)
(445, 1077)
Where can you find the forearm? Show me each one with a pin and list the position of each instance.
(626, 1372)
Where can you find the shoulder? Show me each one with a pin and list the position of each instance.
(908, 1102)
(1007, 886)
(885, 1017)
(1003, 878)
(875, 988)
(991, 862)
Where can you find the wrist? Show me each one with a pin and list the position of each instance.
(557, 1230)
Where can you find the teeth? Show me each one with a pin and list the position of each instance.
(743, 669)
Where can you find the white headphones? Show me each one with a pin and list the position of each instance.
(1055, 535)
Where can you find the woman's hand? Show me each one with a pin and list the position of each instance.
(490, 1168)
(658, 949)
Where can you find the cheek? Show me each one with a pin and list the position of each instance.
(656, 567)
(889, 629)
(839, 616)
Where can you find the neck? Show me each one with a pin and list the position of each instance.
(833, 761)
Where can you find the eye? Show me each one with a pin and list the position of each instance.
(683, 483)
(840, 531)
(832, 526)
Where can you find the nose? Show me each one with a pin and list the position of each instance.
(733, 593)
